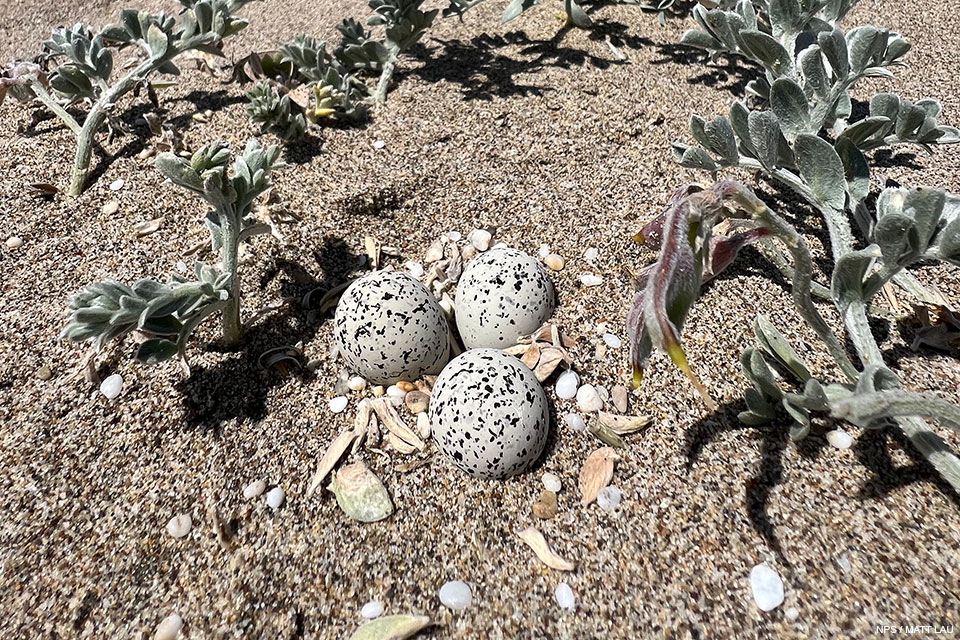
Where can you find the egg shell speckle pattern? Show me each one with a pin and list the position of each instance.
(489, 414)
(389, 327)
(503, 295)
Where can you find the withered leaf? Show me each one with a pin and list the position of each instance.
(531, 356)
(596, 473)
(623, 425)
(330, 458)
(391, 628)
(536, 541)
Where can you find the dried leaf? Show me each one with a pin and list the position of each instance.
(372, 246)
(45, 189)
(360, 493)
(605, 435)
(217, 526)
(939, 329)
(399, 445)
(531, 356)
(623, 425)
(329, 299)
(330, 458)
(597, 472)
(517, 349)
(391, 628)
(407, 467)
(550, 359)
(538, 543)
(390, 419)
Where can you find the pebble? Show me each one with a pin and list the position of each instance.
(111, 386)
(456, 236)
(44, 373)
(416, 401)
(406, 386)
(14, 242)
(181, 266)
(415, 268)
(564, 596)
(275, 498)
(371, 610)
(588, 399)
(609, 498)
(554, 262)
(545, 507)
(590, 280)
(591, 254)
(179, 526)
(169, 627)
(551, 482)
(395, 392)
(356, 383)
(567, 383)
(116, 185)
(844, 563)
(379, 144)
(456, 595)
(839, 439)
(791, 614)
(377, 391)
(767, 587)
(480, 239)
(423, 425)
(601, 327)
(543, 251)
(576, 422)
(110, 208)
(338, 404)
(619, 394)
(469, 252)
(612, 341)
(254, 489)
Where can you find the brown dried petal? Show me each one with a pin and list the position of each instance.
(623, 425)
(531, 356)
(538, 543)
(596, 473)
(330, 458)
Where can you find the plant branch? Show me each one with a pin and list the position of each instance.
(51, 104)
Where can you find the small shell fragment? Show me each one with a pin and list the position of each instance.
(623, 425)
(597, 472)
(179, 526)
(390, 419)
(169, 628)
(331, 457)
(423, 425)
(590, 280)
(554, 262)
(360, 493)
(536, 541)
(147, 227)
(391, 628)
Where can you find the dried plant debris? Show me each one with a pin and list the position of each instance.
(545, 507)
(403, 435)
(623, 425)
(939, 329)
(360, 493)
(281, 359)
(147, 227)
(544, 351)
(373, 248)
(330, 458)
(597, 472)
(391, 628)
(538, 543)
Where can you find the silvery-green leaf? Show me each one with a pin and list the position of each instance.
(786, 16)
(855, 169)
(697, 158)
(909, 119)
(156, 350)
(868, 409)
(866, 129)
(863, 44)
(789, 104)
(766, 50)
(157, 40)
(360, 493)
(896, 49)
(178, 171)
(690, 37)
(834, 47)
(755, 368)
(814, 73)
(576, 13)
(777, 346)
(886, 105)
(765, 136)
(846, 285)
(821, 168)
(740, 121)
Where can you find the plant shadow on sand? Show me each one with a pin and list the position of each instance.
(484, 72)
(237, 387)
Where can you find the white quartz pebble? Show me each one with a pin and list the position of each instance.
(792, 614)
(179, 526)
(415, 268)
(395, 392)
(379, 144)
(543, 251)
(372, 609)
(456, 236)
(111, 386)
(839, 439)
(612, 341)
(567, 383)
(254, 489)
(590, 280)
(767, 587)
(14, 242)
(609, 498)
(564, 596)
(576, 422)
(338, 404)
(588, 399)
(480, 239)
(275, 497)
(456, 595)
(551, 482)
(116, 185)
(591, 254)
(356, 383)
(169, 627)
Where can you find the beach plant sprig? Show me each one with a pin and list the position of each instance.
(575, 14)
(167, 314)
(84, 75)
(912, 225)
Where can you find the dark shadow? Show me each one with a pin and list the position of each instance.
(237, 387)
(890, 158)
(729, 73)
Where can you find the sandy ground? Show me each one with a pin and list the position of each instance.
(552, 142)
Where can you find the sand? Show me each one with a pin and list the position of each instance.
(551, 142)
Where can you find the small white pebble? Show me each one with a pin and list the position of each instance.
(791, 614)
(415, 268)
(576, 422)
(395, 392)
(480, 239)
(588, 399)
(609, 498)
(844, 563)
(590, 280)
(14, 242)
(456, 595)
(591, 254)
(116, 185)
(767, 587)
(338, 404)
(181, 266)
(839, 439)
(371, 610)
(543, 251)
(169, 627)
(551, 482)
(254, 489)
(612, 341)
(554, 262)
(379, 144)
(356, 383)
(110, 208)
(564, 596)
(456, 236)
(275, 498)
(601, 327)
(566, 386)
(111, 386)
(179, 526)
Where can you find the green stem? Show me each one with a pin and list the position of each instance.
(380, 95)
(84, 153)
(51, 104)
(229, 258)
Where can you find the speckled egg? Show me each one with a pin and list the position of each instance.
(389, 327)
(503, 294)
(489, 414)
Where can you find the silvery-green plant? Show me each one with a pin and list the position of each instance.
(168, 313)
(911, 225)
(84, 75)
(575, 13)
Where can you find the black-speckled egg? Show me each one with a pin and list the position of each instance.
(389, 327)
(489, 414)
(503, 294)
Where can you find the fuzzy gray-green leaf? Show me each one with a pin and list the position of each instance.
(789, 104)
(822, 169)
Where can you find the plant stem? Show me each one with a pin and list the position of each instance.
(81, 160)
(380, 95)
(229, 254)
(51, 104)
